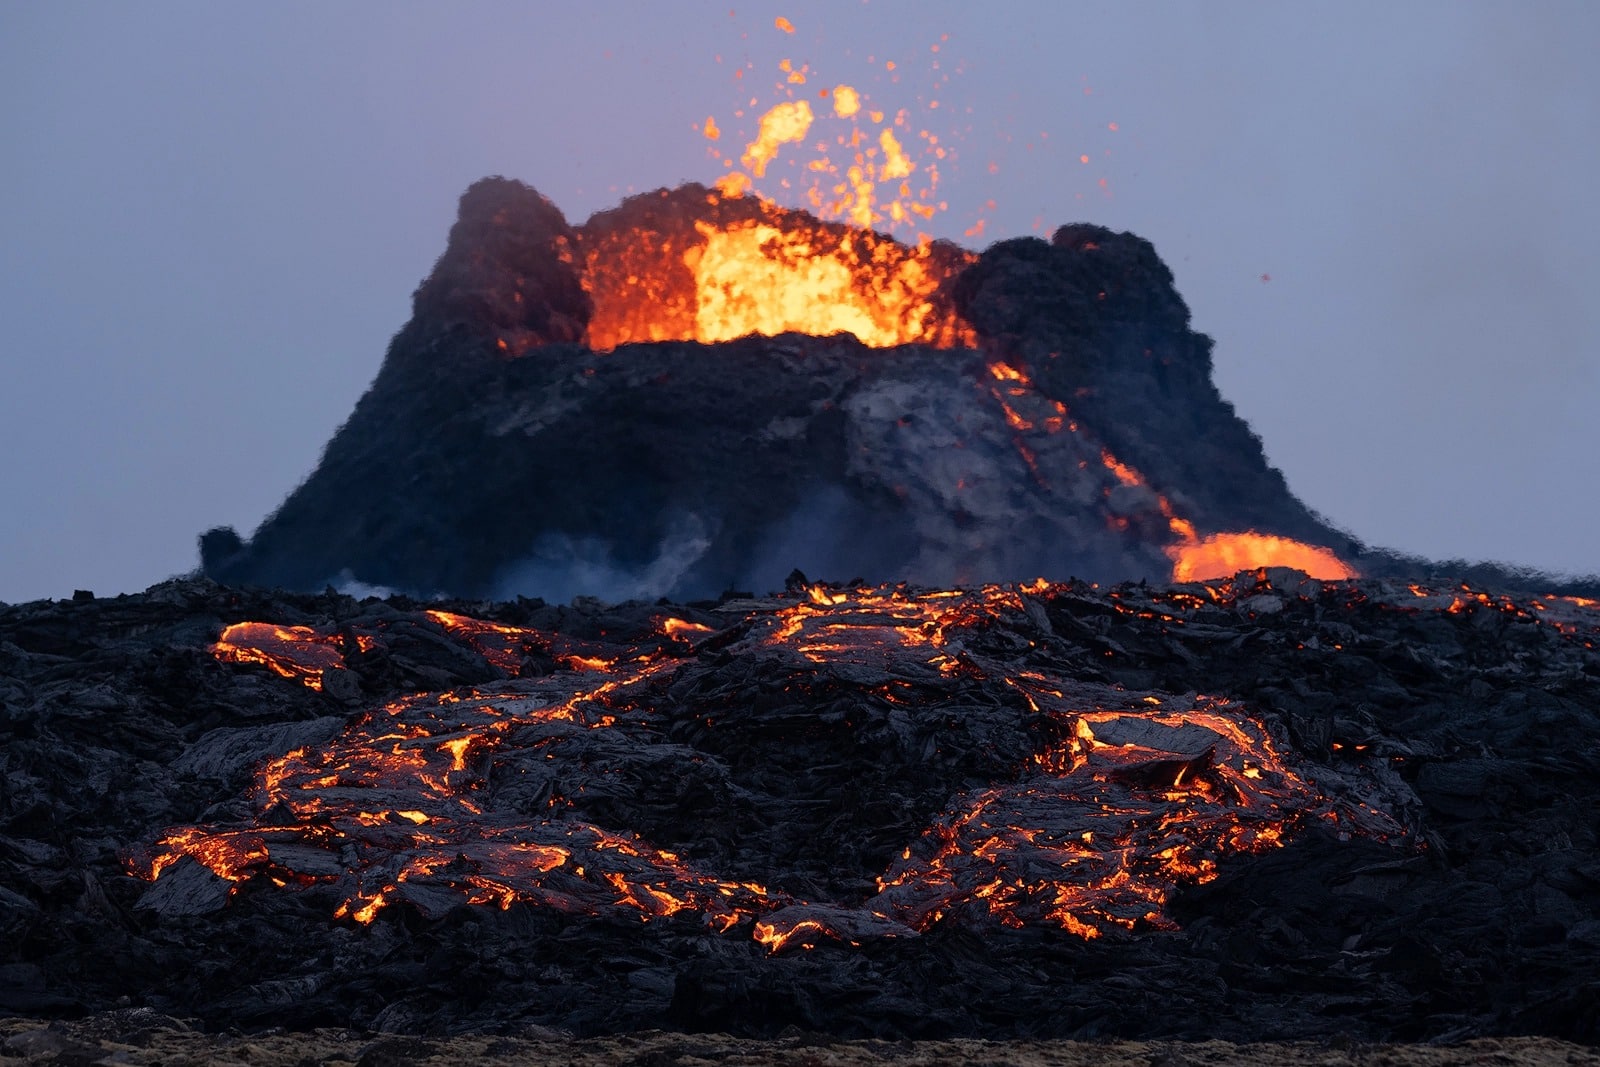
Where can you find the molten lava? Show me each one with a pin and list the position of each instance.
(1126, 799)
(747, 266)
(1137, 796)
(1193, 558)
(703, 266)
(1227, 553)
(760, 279)
(290, 651)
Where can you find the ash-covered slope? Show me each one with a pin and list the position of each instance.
(498, 453)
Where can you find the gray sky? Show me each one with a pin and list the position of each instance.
(212, 217)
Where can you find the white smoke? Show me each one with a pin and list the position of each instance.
(561, 567)
(347, 584)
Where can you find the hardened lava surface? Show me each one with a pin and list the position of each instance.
(1262, 808)
(849, 764)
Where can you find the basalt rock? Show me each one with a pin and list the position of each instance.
(507, 273)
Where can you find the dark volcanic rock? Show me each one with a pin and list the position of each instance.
(1095, 318)
(1472, 717)
(507, 274)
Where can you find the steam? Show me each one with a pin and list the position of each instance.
(562, 567)
(829, 536)
(347, 584)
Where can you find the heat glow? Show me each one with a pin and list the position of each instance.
(710, 267)
(747, 266)
(1229, 553)
(760, 279)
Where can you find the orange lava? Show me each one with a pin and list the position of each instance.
(291, 651)
(734, 266)
(737, 264)
(758, 279)
(1155, 798)
(1228, 553)
(1141, 795)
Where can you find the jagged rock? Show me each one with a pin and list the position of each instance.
(188, 890)
(224, 752)
(507, 272)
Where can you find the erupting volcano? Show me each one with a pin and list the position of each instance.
(969, 793)
(957, 749)
(720, 615)
(699, 391)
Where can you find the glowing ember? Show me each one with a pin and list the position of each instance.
(846, 102)
(784, 124)
(858, 171)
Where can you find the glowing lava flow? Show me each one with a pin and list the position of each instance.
(1154, 798)
(1193, 558)
(290, 651)
(1227, 553)
(397, 791)
(1141, 794)
(1146, 793)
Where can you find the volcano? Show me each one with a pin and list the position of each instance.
(697, 392)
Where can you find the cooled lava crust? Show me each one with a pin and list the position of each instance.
(1453, 734)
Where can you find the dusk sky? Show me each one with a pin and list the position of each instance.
(212, 217)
